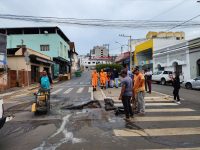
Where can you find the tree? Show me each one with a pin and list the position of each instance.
(109, 66)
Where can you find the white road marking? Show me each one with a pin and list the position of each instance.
(196, 148)
(90, 89)
(168, 118)
(92, 95)
(80, 90)
(57, 91)
(158, 132)
(103, 94)
(171, 110)
(150, 104)
(161, 104)
(68, 90)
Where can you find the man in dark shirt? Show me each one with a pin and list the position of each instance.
(116, 77)
(126, 94)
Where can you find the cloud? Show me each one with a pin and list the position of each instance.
(87, 37)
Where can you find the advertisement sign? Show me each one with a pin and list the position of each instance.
(3, 61)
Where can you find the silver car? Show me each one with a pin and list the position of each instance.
(192, 83)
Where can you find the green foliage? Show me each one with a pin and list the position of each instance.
(110, 66)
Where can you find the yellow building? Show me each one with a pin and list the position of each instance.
(143, 54)
(172, 35)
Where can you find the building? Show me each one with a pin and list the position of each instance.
(50, 41)
(183, 58)
(3, 62)
(86, 62)
(143, 53)
(22, 71)
(74, 57)
(166, 35)
(123, 59)
(99, 52)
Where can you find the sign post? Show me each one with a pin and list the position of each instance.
(27, 60)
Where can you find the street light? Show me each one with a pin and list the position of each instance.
(122, 45)
(122, 35)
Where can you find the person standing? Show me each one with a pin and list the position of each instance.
(103, 77)
(94, 77)
(148, 75)
(177, 86)
(126, 94)
(116, 77)
(145, 77)
(139, 90)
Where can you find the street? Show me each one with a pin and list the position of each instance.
(166, 124)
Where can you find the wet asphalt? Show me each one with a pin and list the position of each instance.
(93, 128)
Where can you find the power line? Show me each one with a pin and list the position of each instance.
(168, 10)
(184, 22)
(144, 24)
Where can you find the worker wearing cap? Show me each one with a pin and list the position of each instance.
(139, 89)
(94, 78)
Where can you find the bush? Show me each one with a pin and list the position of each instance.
(109, 66)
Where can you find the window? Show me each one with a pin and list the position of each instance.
(165, 72)
(61, 49)
(93, 62)
(44, 47)
(88, 62)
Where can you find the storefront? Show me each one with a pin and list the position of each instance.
(61, 66)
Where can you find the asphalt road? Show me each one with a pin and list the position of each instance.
(192, 96)
(166, 126)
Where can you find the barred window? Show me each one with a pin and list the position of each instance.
(44, 47)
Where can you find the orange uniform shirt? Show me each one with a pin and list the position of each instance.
(138, 87)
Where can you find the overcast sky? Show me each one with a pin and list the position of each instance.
(87, 37)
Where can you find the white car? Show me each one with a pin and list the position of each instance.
(162, 77)
(192, 83)
(2, 117)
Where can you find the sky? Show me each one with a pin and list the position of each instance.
(87, 37)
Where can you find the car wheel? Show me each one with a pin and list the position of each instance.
(188, 86)
(163, 81)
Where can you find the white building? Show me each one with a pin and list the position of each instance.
(88, 63)
(183, 58)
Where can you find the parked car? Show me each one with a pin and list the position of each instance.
(192, 83)
(2, 117)
(162, 77)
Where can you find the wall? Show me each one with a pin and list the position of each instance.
(163, 43)
(34, 41)
(17, 63)
(194, 57)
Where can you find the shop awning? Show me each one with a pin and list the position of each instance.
(61, 60)
(37, 59)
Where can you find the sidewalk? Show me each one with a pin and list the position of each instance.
(19, 90)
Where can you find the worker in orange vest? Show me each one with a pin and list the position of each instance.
(94, 77)
(103, 77)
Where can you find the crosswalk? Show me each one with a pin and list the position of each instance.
(164, 119)
(72, 90)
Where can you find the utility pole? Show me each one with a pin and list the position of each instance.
(130, 47)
